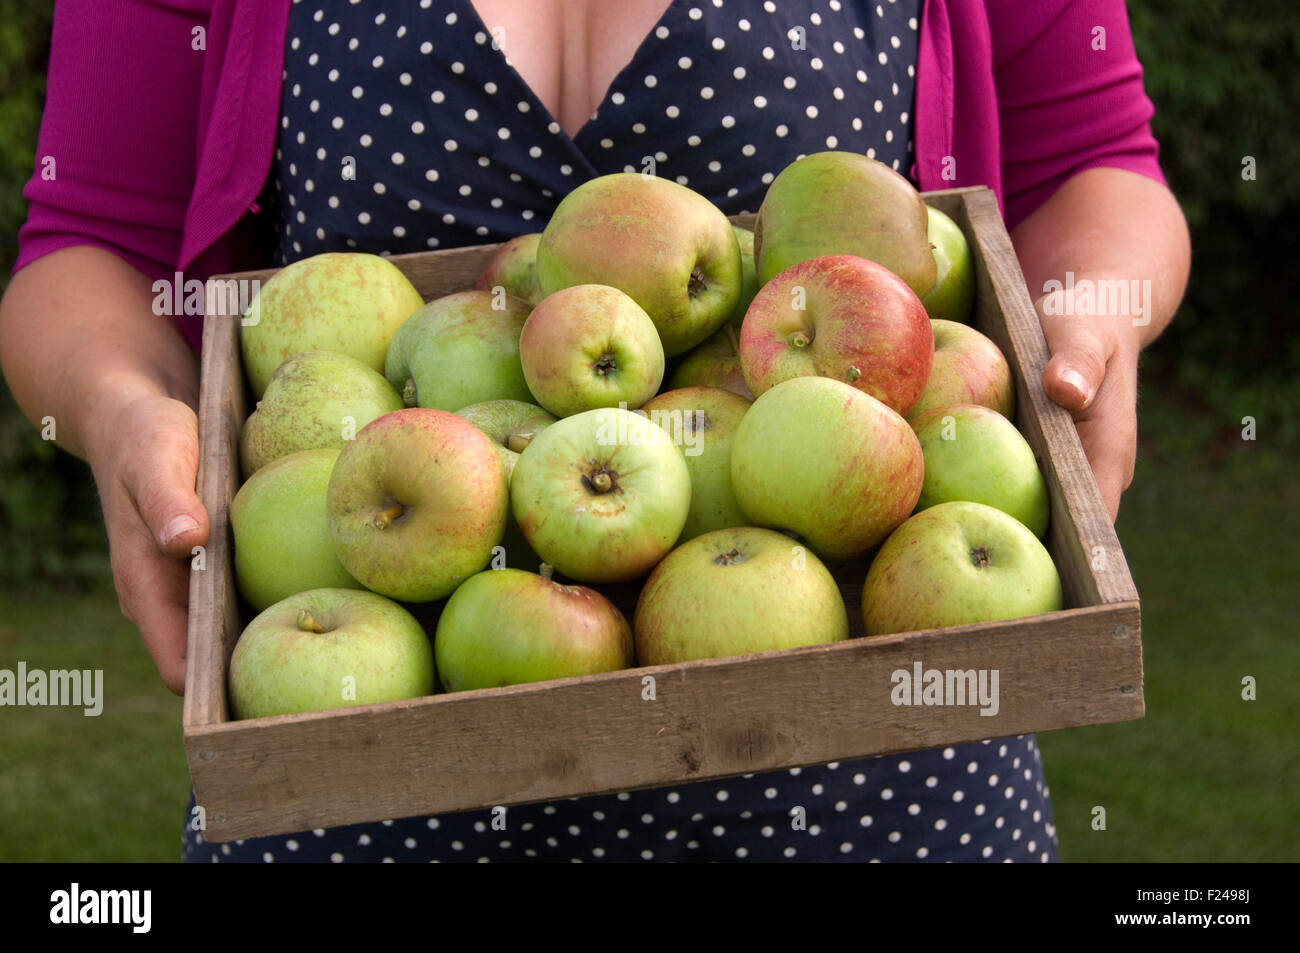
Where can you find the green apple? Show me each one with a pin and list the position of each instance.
(748, 277)
(736, 591)
(667, 247)
(416, 504)
(953, 294)
(842, 203)
(590, 346)
(602, 496)
(715, 363)
(314, 399)
(968, 369)
(958, 563)
(339, 301)
(511, 424)
(824, 460)
(329, 648)
(973, 453)
(514, 269)
(703, 422)
(508, 627)
(282, 532)
(458, 350)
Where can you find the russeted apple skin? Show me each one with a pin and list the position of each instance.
(968, 368)
(308, 402)
(736, 591)
(279, 668)
(460, 349)
(714, 363)
(445, 479)
(953, 294)
(590, 346)
(645, 236)
(514, 268)
(842, 203)
(928, 574)
(509, 627)
(594, 536)
(337, 301)
(842, 317)
(822, 459)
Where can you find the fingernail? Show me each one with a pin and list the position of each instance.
(176, 526)
(1076, 382)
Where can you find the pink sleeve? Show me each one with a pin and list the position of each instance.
(1070, 96)
(115, 158)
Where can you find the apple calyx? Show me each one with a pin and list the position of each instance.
(730, 558)
(546, 571)
(409, 396)
(697, 285)
(307, 622)
(799, 339)
(385, 518)
(852, 374)
(981, 557)
(605, 365)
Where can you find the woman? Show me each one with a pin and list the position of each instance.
(162, 154)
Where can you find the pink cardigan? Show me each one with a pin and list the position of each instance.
(159, 150)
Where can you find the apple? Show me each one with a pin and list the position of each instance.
(590, 346)
(602, 496)
(824, 460)
(748, 277)
(842, 317)
(511, 424)
(514, 269)
(842, 203)
(715, 363)
(667, 247)
(703, 422)
(329, 648)
(458, 350)
(314, 399)
(736, 591)
(416, 504)
(508, 627)
(282, 532)
(339, 301)
(973, 453)
(957, 563)
(968, 369)
(953, 294)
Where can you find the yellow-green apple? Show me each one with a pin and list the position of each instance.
(736, 591)
(590, 346)
(825, 461)
(842, 203)
(953, 293)
(338, 301)
(973, 453)
(282, 531)
(329, 648)
(968, 369)
(314, 399)
(957, 563)
(458, 350)
(748, 278)
(715, 363)
(602, 496)
(703, 422)
(514, 269)
(667, 247)
(416, 504)
(509, 627)
(841, 317)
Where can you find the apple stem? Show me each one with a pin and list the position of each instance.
(518, 441)
(546, 570)
(602, 482)
(385, 519)
(799, 339)
(307, 622)
(730, 330)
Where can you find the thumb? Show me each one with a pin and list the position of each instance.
(1080, 347)
(159, 473)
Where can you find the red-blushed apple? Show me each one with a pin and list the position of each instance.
(590, 346)
(514, 269)
(953, 294)
(703, 422)
(841, 317)
(973, 453)
(736, 591)
(667, 247)
(329, 648)
(508, 627)
(416, 504)
(968, 369)
(957, 563)
(715, 363)
(602, 496)
(824, 460)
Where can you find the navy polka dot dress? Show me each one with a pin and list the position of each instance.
(405, 128)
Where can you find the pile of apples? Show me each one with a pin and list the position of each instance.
(824, 403)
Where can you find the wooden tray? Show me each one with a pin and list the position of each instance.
(709, 719)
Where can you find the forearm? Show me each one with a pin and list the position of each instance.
(79, 342)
